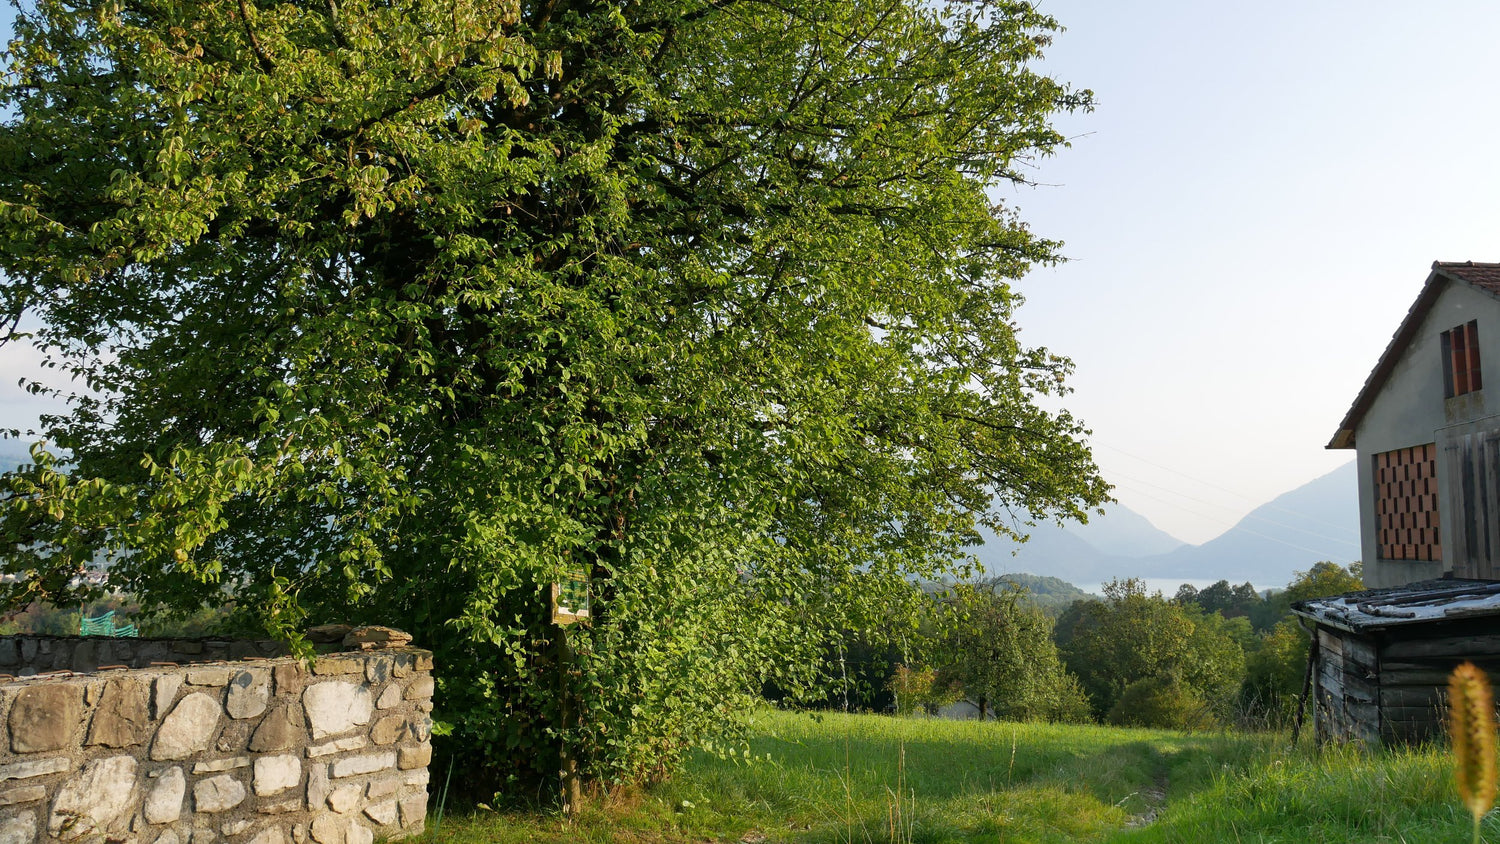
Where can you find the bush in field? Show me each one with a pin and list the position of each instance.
(1165, 701)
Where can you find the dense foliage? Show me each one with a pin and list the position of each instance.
(402, 311)
(996, 645)
(1131, 636)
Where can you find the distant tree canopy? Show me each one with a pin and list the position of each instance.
(1131, 636)
(401, 311)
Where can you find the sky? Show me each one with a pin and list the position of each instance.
(1248, 212)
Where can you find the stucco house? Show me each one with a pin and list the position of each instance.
(1428, 449)
(1427, 440)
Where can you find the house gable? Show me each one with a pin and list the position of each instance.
(1429, 449)
(1481, 278)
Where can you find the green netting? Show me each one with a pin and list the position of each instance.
(104, 625)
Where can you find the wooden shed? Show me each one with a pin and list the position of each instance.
(1380, 659)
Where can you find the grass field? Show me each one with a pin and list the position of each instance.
(863, 778)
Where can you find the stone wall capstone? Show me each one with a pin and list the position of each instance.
(162, 741)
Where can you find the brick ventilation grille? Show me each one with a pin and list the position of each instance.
(1406, 504)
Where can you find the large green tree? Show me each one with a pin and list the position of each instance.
(995, 644)
(400, 310)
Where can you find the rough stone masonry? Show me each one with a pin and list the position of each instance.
(200, 741)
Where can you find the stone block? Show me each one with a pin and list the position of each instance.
(24, 794)
(421, 727)
(337, 665)
(164, 693)
(274, 774)
(388, 730)
(217, 677)
(249, 691)
(185, 647)
(18, 829)
(368, 763)
(188, 728)
(34, 768)
(336, 706)
(402, 665)
(204, 835)
(374, 638)
(121, 719)
(214, 766)
(423, 662)
(418, 777)
(45, 716)
(420, 687)
(95, 800)
(240, 649)
(164, 800)
(218, 794)
(283, 805)
(391, 697)
(382, 787)
(283, 728)
(328, 829)
(382, 813)
(337, 746)
(359, 833)
(10, 653)
(377, 669)
(413, 810)
(288, 678)
(317, 784)
(235, 827)
(345, 798)
(423, 705)
(416, 756)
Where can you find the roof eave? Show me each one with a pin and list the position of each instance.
(1344, 437)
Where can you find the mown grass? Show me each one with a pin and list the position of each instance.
(860, 778)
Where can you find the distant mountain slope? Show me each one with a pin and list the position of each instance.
(1122, 532)
(1316, 521)
(1079, 553)
(12, 454)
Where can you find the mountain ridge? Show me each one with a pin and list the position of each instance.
(1316, 521)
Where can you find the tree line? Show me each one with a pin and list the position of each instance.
(1216, 656)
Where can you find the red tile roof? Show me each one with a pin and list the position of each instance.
(1485, 277)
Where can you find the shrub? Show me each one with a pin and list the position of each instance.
(1165, 701)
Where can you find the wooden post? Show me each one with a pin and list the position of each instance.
(571, 782)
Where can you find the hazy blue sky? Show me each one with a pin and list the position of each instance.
(1249, 212)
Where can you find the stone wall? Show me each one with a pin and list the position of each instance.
(190, 746)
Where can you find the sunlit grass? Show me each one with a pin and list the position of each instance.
(838, 778)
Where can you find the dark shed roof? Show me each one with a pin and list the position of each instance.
(1484, 277)
(1424, 602)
